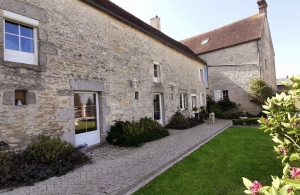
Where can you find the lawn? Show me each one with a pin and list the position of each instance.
(217, 167)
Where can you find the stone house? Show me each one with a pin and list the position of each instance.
(70, 68)
(235, 54)
(280, 86)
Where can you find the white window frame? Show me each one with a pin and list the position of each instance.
(182, 101)
(202, 99)
(200, 75)
(19, 56)
(156, 79)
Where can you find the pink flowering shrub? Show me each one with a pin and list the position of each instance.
(283, 123)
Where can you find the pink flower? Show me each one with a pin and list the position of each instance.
(266, 120)
(256, 187)
(289, 191)
(295, 172)
(283, 151)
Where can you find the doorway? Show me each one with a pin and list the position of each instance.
(157, 104)
(86, 112)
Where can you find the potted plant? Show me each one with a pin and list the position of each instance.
(195, 114)
(243, 115)
(195, 109)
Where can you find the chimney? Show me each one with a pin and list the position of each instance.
(155, 22)
(262, 6)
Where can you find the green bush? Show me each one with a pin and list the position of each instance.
(45, 149)
(135, 133)
(178, 121)
(31, 165)
(223, 109)
(248, 121)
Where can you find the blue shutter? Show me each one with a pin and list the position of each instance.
(206, 77)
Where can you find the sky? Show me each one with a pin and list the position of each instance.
(181, 19)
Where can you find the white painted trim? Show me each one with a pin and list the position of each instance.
(193, 94)
(155, 62)
(92, 137)
(19, 56)
(201, 101)
(199, 74)
(19, 18)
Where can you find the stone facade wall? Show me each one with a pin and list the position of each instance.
(267, 57)
(84, 49)
(231, 69)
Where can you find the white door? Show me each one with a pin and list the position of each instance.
(157, 108)
(86, 111)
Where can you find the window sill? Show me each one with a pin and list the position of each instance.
(36, 68)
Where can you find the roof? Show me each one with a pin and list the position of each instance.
(279, 81)
(119, 13)
(242, 31)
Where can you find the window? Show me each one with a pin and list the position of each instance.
(202, 99)
(204, 41)
(156, 72)
(20, 38)
(136, 95)
(225, 94)
(182, 103)
(200, 75)
(266, 64)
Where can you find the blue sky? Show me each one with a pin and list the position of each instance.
(181, 19)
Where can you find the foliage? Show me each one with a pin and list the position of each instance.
(195, 109)
(135, 133)
(209, 102)
(260, 90)
(31, 165)
(283, 123)
(178, 121)
(216, 167)
(248, 121)
(223, 109)
(45, 149)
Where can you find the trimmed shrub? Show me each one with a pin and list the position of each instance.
(178, 121)
(248, 121)
(31, 165)
(45, 149)
(135, 133)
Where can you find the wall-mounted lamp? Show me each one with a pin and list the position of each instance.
(173, 86)
(134, 82)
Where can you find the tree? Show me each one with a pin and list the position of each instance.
(283, 124)
(260, 90)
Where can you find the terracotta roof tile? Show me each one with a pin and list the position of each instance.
(119, 13)
(232, 34)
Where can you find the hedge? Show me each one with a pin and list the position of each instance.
(248, 121)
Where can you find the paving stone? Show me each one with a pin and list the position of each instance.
(117, 170)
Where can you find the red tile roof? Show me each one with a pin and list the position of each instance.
(235, 33)
(119, 13)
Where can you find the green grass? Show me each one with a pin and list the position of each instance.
(217, 167)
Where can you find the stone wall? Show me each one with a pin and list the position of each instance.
(84, 49)
(231, 69)
(267, 57)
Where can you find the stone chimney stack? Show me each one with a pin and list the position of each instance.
(262, 6)
(155, 22)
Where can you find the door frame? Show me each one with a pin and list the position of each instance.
(161, 121)
(79, 138)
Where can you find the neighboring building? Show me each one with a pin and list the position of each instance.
(235, 54)
(70, 68)
(280, 85)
